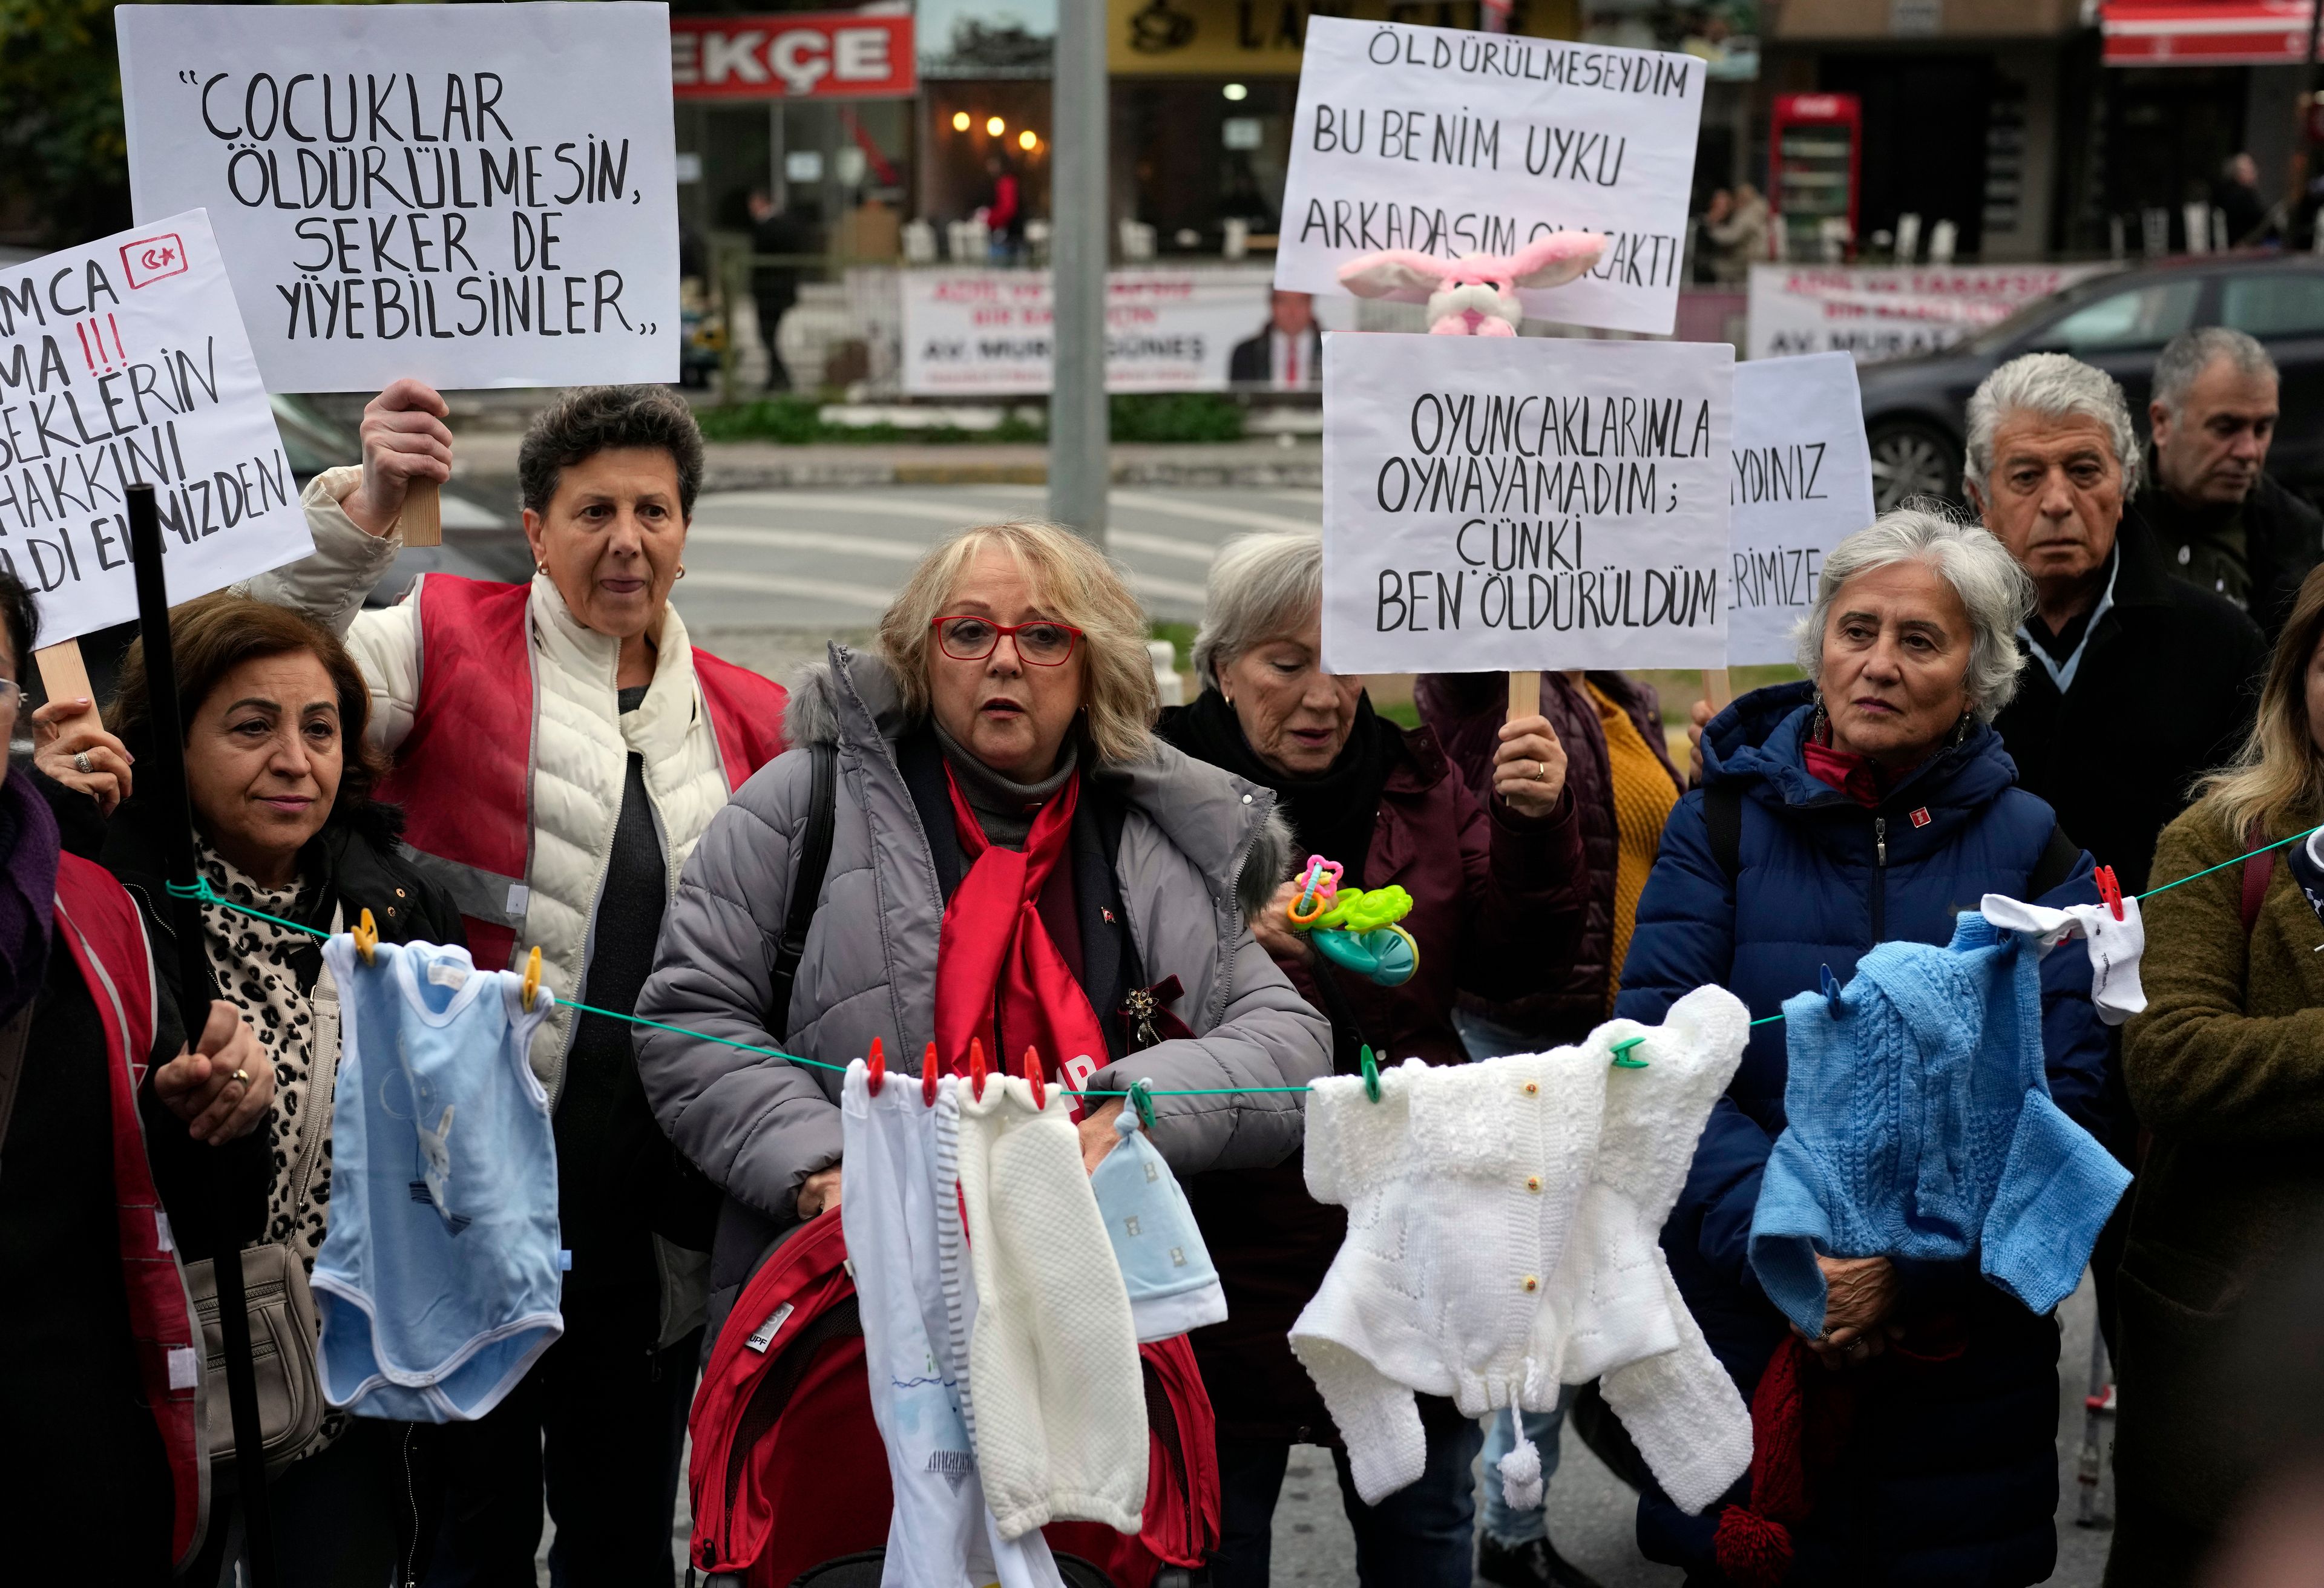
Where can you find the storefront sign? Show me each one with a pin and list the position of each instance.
(475, 195)
(1802, 484)
(1257, 37)
(986, 332)
(1877, 312)
(820, 56)
(1497, 502)
(1450, 143)
(124, 362)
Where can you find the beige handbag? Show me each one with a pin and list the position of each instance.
(282, 1322)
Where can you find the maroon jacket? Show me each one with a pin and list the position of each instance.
(1568, 997)
(1495, 899)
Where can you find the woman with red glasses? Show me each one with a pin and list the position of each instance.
(1004, 715)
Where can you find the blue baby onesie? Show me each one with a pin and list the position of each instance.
(1922, 1126)
(437, 1284)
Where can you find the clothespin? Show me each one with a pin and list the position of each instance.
(1141, 1098)
(531, 970)
(1371, 1074)
(1622, 1059)
(928, 1067)
(976, 1067)
(1032, 1071)
(1830, 989)
(2109, 890)
(877, 1062)
(366, 936)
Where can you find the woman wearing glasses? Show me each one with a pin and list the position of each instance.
(1005, 709)
(557, 746)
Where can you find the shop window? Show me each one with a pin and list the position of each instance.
(2144, 317)
(2279, 303)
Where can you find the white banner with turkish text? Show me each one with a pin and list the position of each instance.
(1802, 483)
(1873, 312)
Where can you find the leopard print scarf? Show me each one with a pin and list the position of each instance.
(251, 960)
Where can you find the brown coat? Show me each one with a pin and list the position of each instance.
(2226, 1069)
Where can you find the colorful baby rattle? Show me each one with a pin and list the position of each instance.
(1355, 927)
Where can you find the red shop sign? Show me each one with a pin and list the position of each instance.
(814, 56)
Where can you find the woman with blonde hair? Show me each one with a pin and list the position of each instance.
(1005, 709)
(2226, 1069)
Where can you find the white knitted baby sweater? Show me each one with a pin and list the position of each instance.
(1502, 1225)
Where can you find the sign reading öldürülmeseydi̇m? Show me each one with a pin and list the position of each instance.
(477, 195)
(123, 362)
(1502, 502)
(1450, 142)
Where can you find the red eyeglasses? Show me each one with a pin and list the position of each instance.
(1041, 642)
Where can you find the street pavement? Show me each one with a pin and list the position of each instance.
(772, 574)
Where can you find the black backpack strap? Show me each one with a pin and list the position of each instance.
(806, 883)
(2059, 858)
(1722, 814)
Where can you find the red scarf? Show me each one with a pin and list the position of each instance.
(1799, 1419)
(999, 978)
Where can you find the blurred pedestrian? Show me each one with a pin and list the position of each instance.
(1865, 805)
(1498, 891)
(776, 239)
(2236, 195)
(1287, 353)
(1739, 238)
(1004, 209)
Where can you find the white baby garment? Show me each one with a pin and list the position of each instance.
(940, 1534)
(439, 1283)
(1058, 1390)
(2116, 945)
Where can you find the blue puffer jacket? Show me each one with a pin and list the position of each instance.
(1951, 1471)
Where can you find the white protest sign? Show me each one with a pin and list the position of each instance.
(1498, 502)
(123, 362)
(1450, 142)
(475, 195)
(1802, 483)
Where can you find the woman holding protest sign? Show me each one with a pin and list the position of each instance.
(1498, 891)
(557, 746)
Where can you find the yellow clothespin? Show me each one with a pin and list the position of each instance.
(366, 935)
(531, 975)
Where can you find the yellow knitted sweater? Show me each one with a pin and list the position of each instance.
(1643, 798)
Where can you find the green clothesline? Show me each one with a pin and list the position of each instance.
(201, 893)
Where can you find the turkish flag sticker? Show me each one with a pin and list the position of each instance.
(149, 259)
(1921, 817)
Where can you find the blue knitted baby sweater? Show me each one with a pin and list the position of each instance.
(1922, 1126)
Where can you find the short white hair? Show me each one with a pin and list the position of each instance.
(2189, 354)
(1260, 586)
(1997, 593)
(2051, 385)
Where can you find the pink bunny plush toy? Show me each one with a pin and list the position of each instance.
(1476, 294)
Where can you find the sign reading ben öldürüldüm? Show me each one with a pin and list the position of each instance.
(477, 195)
(1513, 503)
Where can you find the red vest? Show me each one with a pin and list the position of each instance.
(463, 774)
(99, 924)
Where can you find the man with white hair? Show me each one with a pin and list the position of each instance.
(2139, 681)
(2221, 522)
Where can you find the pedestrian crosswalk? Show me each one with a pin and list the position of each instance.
(834, 559)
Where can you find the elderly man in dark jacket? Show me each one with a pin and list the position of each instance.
(2137, 681)
(2222, 522)
(1866, 806)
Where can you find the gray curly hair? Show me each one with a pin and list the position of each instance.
(2052, 386)
(1996, 591)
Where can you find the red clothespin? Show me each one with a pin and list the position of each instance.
(1033, 1078)
(877, 1062)
(2109, 890)
(928, 1077)
(976, 1067)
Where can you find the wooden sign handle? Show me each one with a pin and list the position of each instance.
(64, 676)
(423, 514)
(1717, 688)
(1525, 695)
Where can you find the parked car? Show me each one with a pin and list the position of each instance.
(1914, 408)
(478, 542)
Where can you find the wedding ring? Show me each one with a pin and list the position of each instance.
(80, 763)
(242, 1076)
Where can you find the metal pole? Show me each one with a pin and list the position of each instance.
(1079, 470)
(165, 786)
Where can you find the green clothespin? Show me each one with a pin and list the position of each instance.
(1141, 1098)
(1622, 1059)
(1371, 1074)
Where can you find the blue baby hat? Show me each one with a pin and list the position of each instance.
(1174, 1286)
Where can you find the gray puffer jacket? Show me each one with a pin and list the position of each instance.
(1199, 849)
